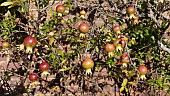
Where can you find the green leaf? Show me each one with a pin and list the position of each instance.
(52, 56)
(51, 13)
(97, 49)
(122, 88)
(151, 82)
(5, 37)
(131, 73)
(51, 40)
(159, 81)
(5, 25)
(126, 89)
(125, 81)
(26, 7)
(7, 3)
(60, 52)
(148, 55)
(93, 41)
(165, 87)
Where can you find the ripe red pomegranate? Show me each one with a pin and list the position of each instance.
(143, 71)
(125, 59)
(33, 77)
(44, 67)
(5, 44)
(131, 11)
(87, 64)
(83, 28)
(30, 43)
(110, 49)
(117, 29)
(60, 9)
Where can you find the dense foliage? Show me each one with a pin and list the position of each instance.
(78, 47)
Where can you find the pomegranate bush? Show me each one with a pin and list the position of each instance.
(82, 47)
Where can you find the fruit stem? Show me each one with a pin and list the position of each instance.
(118, 33)
(131, 16)
(82, 35)
(119, 48)
(142, 77)
(88, 72)
(135, 22)
(82, 16)
(29, 49)
(124, 64)
(45, 73)
(34, 84)
(60, 14)
(110, 54)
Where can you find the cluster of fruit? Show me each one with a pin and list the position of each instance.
(119, 45)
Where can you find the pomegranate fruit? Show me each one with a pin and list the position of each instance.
(117, 29)
(131, 11)
(110, 49)
(124, 41)
(118, 45)
(136, 18)
(125, 59)
(83, 28)
(118, 63)
(87, 64)
(82, 14)
(44, 67)
(143, 71)
(30, 43)
(5, 44)
(60, 9)
(33, 77)
(116, 42)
